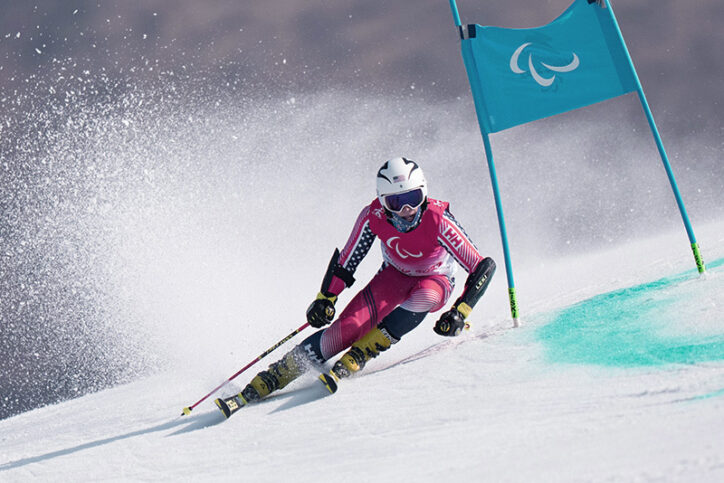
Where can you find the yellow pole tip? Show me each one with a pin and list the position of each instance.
(186, 411)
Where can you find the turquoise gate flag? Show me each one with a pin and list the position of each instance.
(520, 75)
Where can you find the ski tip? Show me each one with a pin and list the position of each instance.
(223, 407)
(329, 382)
(186, 411)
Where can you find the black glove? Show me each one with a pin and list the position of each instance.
(450, 324)
(321, 311)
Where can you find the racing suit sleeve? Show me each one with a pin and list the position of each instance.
(357, 246)
(458, 243)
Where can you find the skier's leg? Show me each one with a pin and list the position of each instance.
(368, 347)
(384, 292)
(277, 376)
(428, 294)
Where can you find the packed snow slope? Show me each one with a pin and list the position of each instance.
(617, 376)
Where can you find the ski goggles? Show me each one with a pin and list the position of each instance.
(395, 202)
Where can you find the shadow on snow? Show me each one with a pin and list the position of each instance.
(194, 422)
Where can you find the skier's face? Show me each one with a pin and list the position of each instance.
(408, 213)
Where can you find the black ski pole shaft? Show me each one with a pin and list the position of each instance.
(188, 409)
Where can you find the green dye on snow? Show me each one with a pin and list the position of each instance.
(674, 320)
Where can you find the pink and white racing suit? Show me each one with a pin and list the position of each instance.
(417, 273)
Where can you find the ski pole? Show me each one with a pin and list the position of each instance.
(187, 410)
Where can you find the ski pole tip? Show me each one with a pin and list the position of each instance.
(186, 411)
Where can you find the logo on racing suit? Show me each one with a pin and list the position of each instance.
(378, 212)
(394, 243)
(312, 354)
(455, 240)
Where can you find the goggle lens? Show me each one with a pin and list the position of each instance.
(396, 202)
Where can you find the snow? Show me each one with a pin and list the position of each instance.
(492, 405)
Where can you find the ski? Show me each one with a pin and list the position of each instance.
(230, 405)
(330, 381)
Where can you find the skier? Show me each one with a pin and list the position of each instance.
(421, 241)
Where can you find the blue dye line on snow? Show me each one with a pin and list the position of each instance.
(651, 324)
(709, 395)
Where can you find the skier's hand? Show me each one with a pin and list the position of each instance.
(321, 311)
(450, 324)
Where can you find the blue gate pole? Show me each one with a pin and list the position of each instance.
(503, 233)
(474, 86)
(660, 145)
(456, 15)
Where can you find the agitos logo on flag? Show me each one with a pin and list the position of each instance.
(520, 75)
(543, 81)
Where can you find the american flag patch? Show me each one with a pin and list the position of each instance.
(399, 178)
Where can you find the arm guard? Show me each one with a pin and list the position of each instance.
(475, 286)
(335, 269)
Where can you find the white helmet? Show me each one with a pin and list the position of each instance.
(401, 182)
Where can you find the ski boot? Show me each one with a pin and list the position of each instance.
(277, 376)
(368, 347)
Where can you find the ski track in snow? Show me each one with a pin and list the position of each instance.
(488, 406)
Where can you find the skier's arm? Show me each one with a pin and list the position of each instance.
(475, 286)
(357, 246)
(480, 271)
(454, 239)
(321, 311)
(340, 272)
(452, 322)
